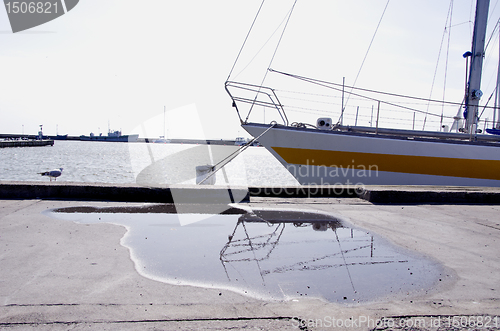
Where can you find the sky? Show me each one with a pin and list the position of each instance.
(121, 63)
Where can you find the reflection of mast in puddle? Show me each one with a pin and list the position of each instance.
(249, 244)
(256, 244)
(345, 262)
(275, 219)
(305, 264)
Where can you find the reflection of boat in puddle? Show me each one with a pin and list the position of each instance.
(244, 248)
(268, 254)
(334, 261)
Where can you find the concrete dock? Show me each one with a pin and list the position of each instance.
(137, 193)
(60, 275)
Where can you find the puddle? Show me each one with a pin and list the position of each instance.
(267, 254)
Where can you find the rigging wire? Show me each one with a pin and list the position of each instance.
(311, 80)
(338, 97)
(328, 110)
(493, 33)
(471, 14)
(279, 41)
(458, 24)
(429, 100)
(318, 109)
(384, 118)
(327, 85)
(230, 157)
(366, 54)
(448, 17)
(488, 57)
(484, 108)
(495, 28)
(446, 63)
(245, 41)
(491, 36)
(492, 10)
(274, 54)
(264, 45)
(381, 101)
(487, 83)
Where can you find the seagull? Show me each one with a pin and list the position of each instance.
(53, 173)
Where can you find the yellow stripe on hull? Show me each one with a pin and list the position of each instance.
(411, 164)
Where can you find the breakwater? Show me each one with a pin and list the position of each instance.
(26, 143)
(140, 140)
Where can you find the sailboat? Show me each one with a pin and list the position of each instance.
(330, 154)
(163, 139)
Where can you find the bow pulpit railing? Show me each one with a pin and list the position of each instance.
(247, 98)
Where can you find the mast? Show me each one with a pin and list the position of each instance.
(474, 87)
(496, 121)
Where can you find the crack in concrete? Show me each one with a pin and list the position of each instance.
(167, 320)
(33, 202)
(489, 226)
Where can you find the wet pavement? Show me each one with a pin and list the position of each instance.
(61, 274)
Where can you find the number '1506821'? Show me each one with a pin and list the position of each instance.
(31, 7)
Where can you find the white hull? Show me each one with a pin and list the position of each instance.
(317, 157)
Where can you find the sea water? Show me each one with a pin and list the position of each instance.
(107, 162)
